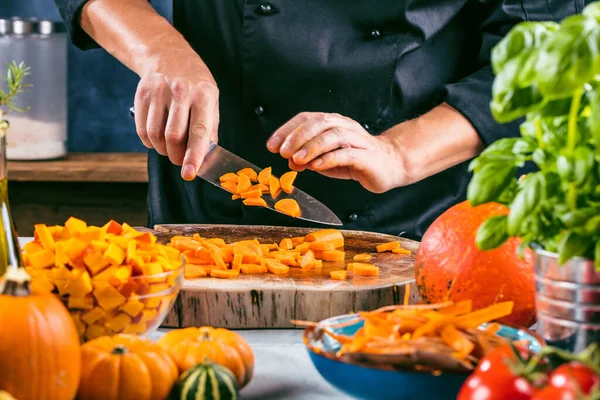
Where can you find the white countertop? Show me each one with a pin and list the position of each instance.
(283, 369)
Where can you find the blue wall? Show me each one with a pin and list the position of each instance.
(100, 89)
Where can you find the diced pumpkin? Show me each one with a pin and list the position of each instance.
(324, 235)
(108, 297)
(170, 252)
(158, 288)
(307, 261)
(249, 172)
(81, 283)
(99, 246)
(42, 259)
(133, 307)
(92, 233)
(216, 241)
(118, 323)
(251, 194)
(333, 255)
(289, 207)
(153, 268)
(255, 202)
(303, 248)
(274, 186)
(236, 264)
(297, 240)
(318, 254)
(122, 274)
(104, 276)
(95, 331)
(113, 227)
(287, 181)
(286, 244)
(243, 184)
(152, 302)
(32, 247)
(235, 196)
(362, 257)
(130, 254)
(93, 315)
(95, 262)
(148, 314)
(120, 241)
(318, 264)
(60, 256)
(264, 175)
(114, 254)
(322, 246)
(401, 251)
(363, 269)
(229, 177)
(80, 303)
(338, 275)
(44, 236)
(231, 187)
(388, 246)
(75, 225)
(137, 328)
(75, 247)
(79, 325)
(224, 274)
(253, 269)
(278, 268)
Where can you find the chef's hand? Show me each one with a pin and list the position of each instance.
(177, 110)
(339, 147)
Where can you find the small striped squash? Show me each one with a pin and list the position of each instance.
(207, 381)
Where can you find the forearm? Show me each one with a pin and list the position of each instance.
(134, 33)
(434, 142)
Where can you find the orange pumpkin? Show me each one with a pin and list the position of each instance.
(39, 345)
(125, 366)
(188, 347)
(449, 266)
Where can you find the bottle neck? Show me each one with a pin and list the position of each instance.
(3, 128)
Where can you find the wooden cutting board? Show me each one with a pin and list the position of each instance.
(271, 301)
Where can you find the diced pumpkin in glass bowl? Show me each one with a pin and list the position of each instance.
(113, 279)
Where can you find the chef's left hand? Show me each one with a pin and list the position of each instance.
(339, 147)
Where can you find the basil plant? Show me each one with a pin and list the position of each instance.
(547, 73)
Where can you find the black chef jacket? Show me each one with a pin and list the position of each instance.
(378, 62)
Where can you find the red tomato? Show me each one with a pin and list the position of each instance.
(555, 393)
(496, 361)
(491, 386)
(575, 376)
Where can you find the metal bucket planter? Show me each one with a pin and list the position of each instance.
(567, 301)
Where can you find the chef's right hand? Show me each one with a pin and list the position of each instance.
(177, 111)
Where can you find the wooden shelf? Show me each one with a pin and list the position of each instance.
(83, 167)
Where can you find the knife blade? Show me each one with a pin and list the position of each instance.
(219, 161)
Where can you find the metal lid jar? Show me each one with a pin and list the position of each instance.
(41, 132)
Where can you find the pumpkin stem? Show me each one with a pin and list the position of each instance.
(15, 282)
(119, 349)
(205, 334)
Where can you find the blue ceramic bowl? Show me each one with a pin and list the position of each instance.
(362, 382)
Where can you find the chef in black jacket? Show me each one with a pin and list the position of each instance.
(381, 103)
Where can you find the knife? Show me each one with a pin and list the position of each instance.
(219, 161)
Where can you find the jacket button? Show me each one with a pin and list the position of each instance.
(366, 127)
(266, 9)
(375, 34)
(259, 110)
(353, 217)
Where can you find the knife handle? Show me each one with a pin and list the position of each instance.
(210, 146)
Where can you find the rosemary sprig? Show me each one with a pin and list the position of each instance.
(15, 77)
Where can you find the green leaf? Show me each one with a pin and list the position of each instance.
(498, 152)
(569, 58)
(526, 202)
(594, 119)
(564, 166)
(583, 164)
(597, 255)
(592, 226)
(489, 182)
(572, 245)
(526, 35)
(492, 233)
(592, 10)
(577, 218)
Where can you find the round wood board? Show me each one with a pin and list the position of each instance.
(272, 301)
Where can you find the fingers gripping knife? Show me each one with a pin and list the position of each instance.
(219, 161)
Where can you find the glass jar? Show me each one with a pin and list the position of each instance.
(41, 132)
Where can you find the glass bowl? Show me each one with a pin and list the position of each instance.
(111, 310)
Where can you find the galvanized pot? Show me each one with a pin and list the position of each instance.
(567, 301)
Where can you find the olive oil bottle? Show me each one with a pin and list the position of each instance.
(10, 252)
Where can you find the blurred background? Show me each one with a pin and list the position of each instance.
(100, 90)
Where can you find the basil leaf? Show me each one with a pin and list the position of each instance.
(498, 152)
(572, 245)
(526, 202)
(489, 182)
(526, 35)
(578, 218)
(492, 233)
(524, 146)
(593, 120)
(592, 10)
(583, 164)
(539, 157)
(564, 166)
(569, 58)
(592, 226)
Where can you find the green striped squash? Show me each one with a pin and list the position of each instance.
(206, 381)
